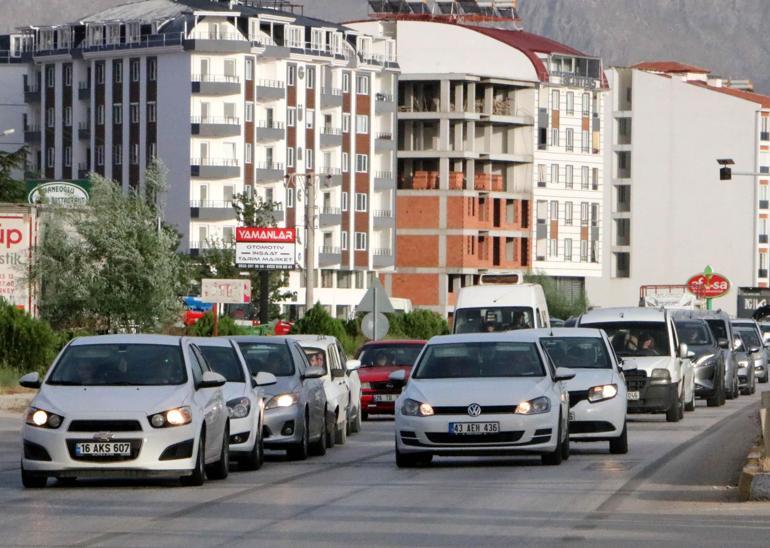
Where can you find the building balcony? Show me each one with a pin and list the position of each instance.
(215, 84)
(383, 258)
(84, 91)
(269, 131)
(330, 176)
(422, 180)
(218, 42)
(488, 182)
(330, 216)
(215, 127)
(270, 90)
(269, 171)
(384, 102)
(331, 137)
(383, 141)
(162, 40)
(384, 180)
(32, 134)
(209, 210)
(31, 93)
(84, 131)
(331, 97)
(329, 256)
(383, 218)
(215, 168)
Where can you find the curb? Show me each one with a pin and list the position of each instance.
(754, 484)
(15, 402)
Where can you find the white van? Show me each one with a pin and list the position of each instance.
(657, 367)
(500, 303)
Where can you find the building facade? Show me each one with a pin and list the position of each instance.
(669, 215)
(500, 163)
(233, 97)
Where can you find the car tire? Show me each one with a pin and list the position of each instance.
(690, 405)
(341, 432)
(619, 445)
(255, 459)
(318, 448)
(221, 468)
(412, 460)
(555, 457)
(565, 446)
(357, 422)
(364, 415)
(198, 475)
(764, 379)
(675, 413)
(717, 399)
(330, 427)
(32, 481)
(300, 450)
(753, 386)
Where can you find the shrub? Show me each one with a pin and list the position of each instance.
(317, 321)
(559, 305)
(204, 327)
(418, 324)
(26, 344)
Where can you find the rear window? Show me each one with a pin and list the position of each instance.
(224, 360)
(120, 365)
(493, 319)
(373, 355)
(636, 339)
(577, 352)
(268, 357)
(479, 360)
(693, 333)
(750, 337)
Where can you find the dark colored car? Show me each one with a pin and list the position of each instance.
(722, 330)
(378, 360)
(708, 361)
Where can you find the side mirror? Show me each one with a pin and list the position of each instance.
(352, 365)
(211, 380)
(754, 349)
(30, 380)
(314, 372)
(723, 343)
(398, 377)
(263, 378)
(690, 354)
(563, 374)
(683, 351)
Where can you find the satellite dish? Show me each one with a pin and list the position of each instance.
(368, 326)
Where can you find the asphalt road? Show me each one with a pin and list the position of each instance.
(676, 486)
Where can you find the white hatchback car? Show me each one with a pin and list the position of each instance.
(244, 396)
(126, 406)
(341, 382)
(483, 394)
(597, 394)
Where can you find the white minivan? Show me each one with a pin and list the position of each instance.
(657, 367)
(500, 303)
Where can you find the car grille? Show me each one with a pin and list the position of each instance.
(589, 427)
(485, 410)
(383, 388)
(501, 437)
(136, 446)
(636, 379)
(105, 426)
(576, 396)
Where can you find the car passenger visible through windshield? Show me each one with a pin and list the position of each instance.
(577, 352)
(224, 360)
(493, 319)
(267, 357)
(482, 359)
(636, 339)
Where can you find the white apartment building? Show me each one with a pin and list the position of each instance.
(669, 215)
(233, 96)
(500, 160)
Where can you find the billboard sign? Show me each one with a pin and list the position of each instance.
(266, 248)
(751, 299)
(18, 231)
(61, 193)
(708, 285)
(225, 291)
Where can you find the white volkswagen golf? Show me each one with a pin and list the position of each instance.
(483, 394)
(126, 406)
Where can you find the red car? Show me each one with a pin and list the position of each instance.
(378, 360)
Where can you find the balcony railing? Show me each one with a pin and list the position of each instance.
(383, 174)
(223, 120)
(276, 84)
(330, 171)
(326, 130)
(271, 166)
(330, 250)
(145, 41)
(387, 135)
(331, 91)
(383, 252)
(216, 78)
(383, 213)
(269, 124)
(384, 97)
(227, 162)
(201, 35)
(331, 211)
(220, 204)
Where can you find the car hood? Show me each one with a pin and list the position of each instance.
(109, 400)
(647, 363)
(587, 378)
(379, 374)
(702, 350)
(232, 390)
(284, 385)
(491, 391)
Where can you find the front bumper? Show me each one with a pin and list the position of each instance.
(243, 433)
(370, 406)
(283, 427)
(598, 421)
(519, 435)
(654, 398)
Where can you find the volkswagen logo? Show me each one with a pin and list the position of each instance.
(390, 386)
(474, 410)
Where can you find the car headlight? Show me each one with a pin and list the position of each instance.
(239, 408)
(366, 386)
(178, 416)
(602, 392)
(743, 363)
(414, 408)
(43, 419)
(660, 376)
(534, 407)
(282, 400)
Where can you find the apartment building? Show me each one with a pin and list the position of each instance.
(12, 106)
(500, 163)
(233, 96)
(669, 215)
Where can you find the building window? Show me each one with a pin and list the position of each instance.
(117, 113)
(50, 75)
(67, 116)
(310, 81)
(568, 249)
(553, 247)
(360, 241)
(361, 201)
(249, 68)
(594, 215)
(344, 246)
(152, 112)
(99, 115)
(568, 176)
(327, 278)
(117, 154)
(583, 251)
(309, 118)
(249, 153)
(67, 75)
(99, 155)
(346, 123)
(584, 214)
(309, 158)
(289, 157)
(584, 177)
(291, 116)
(291, 74)
(568, 213)
(555, 100)
(554, 137)
(570, 134)
(362, 163)
(554, 174)
(345, 82)
(67, 156)
(541, 175)
(554, 210)
(362, 85)
(135, 70)
(134, 154)
(49, 157)
(595, 178)
(586, 104)
(362, 124)
(152, 69)
(99, 73)
(153, 151)
(134, 111)
(117, 72)
(248, 111)
(344, 201)
(289, 197)
(570, 103)
(50, 117)
(585, 142)
(345, 162)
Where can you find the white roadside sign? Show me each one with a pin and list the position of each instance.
(225, 291)
(266, 248)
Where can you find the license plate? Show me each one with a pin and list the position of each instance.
(103, 449)
(633, 396)
(385, 397)
(474, 427)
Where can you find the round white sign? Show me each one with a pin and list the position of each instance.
(59, 193)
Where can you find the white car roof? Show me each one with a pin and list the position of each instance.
(629, 314)
(314, 341)
(169, 340)
(498, 295)
(219, 342)
(521, 335)
(582, 332)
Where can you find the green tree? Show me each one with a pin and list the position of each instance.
(204, 327)
(418, 324)
(113, 265)
(560, 305)
(12, 190)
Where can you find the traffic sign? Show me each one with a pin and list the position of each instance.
(375, 325)
(376, 300)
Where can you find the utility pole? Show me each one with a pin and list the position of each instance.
(309, 240)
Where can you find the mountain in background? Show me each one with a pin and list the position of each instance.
(727, 36)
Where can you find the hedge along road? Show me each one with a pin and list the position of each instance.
(676, 485)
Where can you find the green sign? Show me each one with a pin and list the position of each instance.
(62, 193)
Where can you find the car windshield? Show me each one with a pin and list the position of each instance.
(636, 339)
(577, 352)
(750, 336)
(693, 333)
(493, 319)
(480, 360)
(765, 328)
(120, 365)
(379, 355)
(316, 357)
(718, 329)
(268, 357)
(224, 360)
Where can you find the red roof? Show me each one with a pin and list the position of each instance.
(763, 100)
(669, 66)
